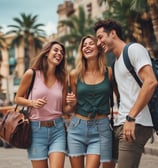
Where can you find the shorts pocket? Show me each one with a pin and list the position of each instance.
(59, 124)
(104, 125)
(35, 127)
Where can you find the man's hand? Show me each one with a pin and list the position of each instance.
(129, 131)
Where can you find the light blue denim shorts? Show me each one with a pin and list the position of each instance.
(105, 135)
(90, 137)
(46, 140)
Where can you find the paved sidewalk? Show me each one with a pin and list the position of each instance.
(152, 148)
(17, 158)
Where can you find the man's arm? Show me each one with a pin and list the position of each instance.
(149, 84)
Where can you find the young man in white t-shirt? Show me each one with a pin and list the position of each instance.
(133, 124)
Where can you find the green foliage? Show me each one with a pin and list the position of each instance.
(2, 40)
(78, 26)
(123, 12)
(28, 31)
(139, 19)
(25, 28)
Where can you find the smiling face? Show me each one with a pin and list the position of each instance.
(104, 40)
(89, 48)
(55, 54)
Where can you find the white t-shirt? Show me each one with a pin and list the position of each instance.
(128, 87)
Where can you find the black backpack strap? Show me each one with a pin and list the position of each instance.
(128, 64)
(114, 83)
(111, 98)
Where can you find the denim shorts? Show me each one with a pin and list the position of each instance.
(46, 140)
(105, 135)
(90, 137)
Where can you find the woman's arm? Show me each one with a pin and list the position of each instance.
(21, 94)
(113, 83)
(70, 97)
(20, 97)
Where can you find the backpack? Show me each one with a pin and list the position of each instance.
(153, 103)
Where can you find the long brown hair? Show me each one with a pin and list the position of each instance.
(81, 62)
(40, 62)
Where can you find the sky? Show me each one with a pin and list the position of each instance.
(45, 9)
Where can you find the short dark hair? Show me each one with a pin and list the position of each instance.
(108, 26)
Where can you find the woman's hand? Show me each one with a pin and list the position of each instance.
(38, 103)
(71, 99)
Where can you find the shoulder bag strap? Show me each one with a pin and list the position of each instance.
(30, 88)
(32, 82)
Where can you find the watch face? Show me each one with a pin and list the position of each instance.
(128, 118)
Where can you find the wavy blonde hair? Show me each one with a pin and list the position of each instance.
(81, 62)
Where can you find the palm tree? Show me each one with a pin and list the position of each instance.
(148, 10)
(78, 26)
(135, 19)
(108, 2)
(153, 5)
(2, 45)
(29, 33)
(122, 12)
(152, 10)
(2, 40)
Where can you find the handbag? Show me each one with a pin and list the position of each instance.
(15, 126)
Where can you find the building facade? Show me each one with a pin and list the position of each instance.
(69, 8)
(12, 64)
(12, 67)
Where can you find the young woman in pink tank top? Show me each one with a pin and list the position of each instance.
(47, 102)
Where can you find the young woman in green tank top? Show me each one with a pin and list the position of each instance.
(89, 132)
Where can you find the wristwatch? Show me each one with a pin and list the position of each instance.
(130, 119)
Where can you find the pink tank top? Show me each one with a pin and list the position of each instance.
(53, 108)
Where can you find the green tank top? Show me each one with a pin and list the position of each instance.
(93, 99)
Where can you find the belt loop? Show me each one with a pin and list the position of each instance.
(55, 122)
(77, 122)
(39, 124)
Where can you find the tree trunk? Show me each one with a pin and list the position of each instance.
(154, 16)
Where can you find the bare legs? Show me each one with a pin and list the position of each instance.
(92, 161)
(56, 160)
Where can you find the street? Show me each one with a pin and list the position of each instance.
(17, 158)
